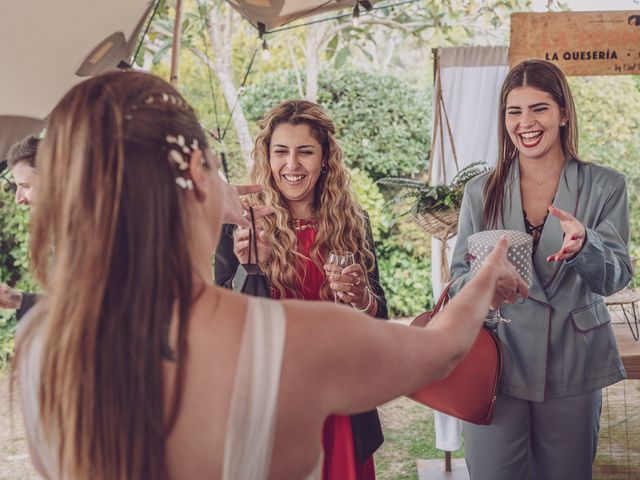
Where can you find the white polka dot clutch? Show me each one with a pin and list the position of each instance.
(519, 254)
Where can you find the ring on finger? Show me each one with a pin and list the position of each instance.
(357, 281)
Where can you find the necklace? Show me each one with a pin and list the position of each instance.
(547, 173)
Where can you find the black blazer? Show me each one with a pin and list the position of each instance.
(367, 432)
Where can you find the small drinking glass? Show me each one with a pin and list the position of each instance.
(519, 254)
(338, 260)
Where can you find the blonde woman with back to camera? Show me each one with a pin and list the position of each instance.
(149, 370)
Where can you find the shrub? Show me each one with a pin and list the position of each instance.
(14, 264)
(404, 256)
(405, 277)
(383, 124)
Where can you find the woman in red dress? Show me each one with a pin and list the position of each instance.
(299, 163)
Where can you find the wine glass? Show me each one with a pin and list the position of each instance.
(519, 254)
(338, 260)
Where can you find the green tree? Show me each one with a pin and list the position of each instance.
(216, 35)
(378, 39)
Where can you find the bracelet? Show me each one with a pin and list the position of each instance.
(369, 302)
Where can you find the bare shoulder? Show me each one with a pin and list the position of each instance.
(216, 322)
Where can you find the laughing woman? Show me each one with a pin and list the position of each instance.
(560, 347)
(299, 163)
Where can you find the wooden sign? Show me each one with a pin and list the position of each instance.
(580, 43)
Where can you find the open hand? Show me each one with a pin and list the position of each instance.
(574, 235)
(234, 208)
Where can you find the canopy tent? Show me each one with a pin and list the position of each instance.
(49, 46)
(276, 13)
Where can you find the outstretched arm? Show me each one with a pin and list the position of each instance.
(358, 363)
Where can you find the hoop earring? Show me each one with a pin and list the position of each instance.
(324, 169)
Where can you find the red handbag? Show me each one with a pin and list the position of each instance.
(469, 392)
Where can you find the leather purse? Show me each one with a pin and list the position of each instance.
(249, 279)
(469, 392)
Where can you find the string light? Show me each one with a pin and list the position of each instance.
(355, 17)
(266, 54)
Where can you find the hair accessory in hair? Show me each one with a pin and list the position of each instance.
(178, 148)
(184, 183)
(159, 98)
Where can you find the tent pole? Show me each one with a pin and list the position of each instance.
(175, 48)
(436, 66)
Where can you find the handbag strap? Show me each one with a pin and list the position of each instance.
(253, 241)
(443, 300)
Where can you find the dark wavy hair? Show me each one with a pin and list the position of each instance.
(24, 151)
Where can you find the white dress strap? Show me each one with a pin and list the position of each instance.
(254, 401)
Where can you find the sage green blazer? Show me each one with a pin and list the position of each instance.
(560, 342)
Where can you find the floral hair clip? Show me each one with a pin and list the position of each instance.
(177, 150)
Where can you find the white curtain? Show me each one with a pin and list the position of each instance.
(471, 78)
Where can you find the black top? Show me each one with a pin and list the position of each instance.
(536, 231)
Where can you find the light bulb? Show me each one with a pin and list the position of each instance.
(355, 18)
(266, 54)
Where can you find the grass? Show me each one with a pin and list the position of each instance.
(409, 435)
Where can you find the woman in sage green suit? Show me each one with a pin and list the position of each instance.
(559, 348)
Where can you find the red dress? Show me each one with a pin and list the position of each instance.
(340, 461)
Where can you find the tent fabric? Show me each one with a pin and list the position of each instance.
(276, 13)
(46, 44)
(43, 45)
(471, 80)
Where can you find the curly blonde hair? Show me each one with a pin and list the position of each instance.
(341, 222)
